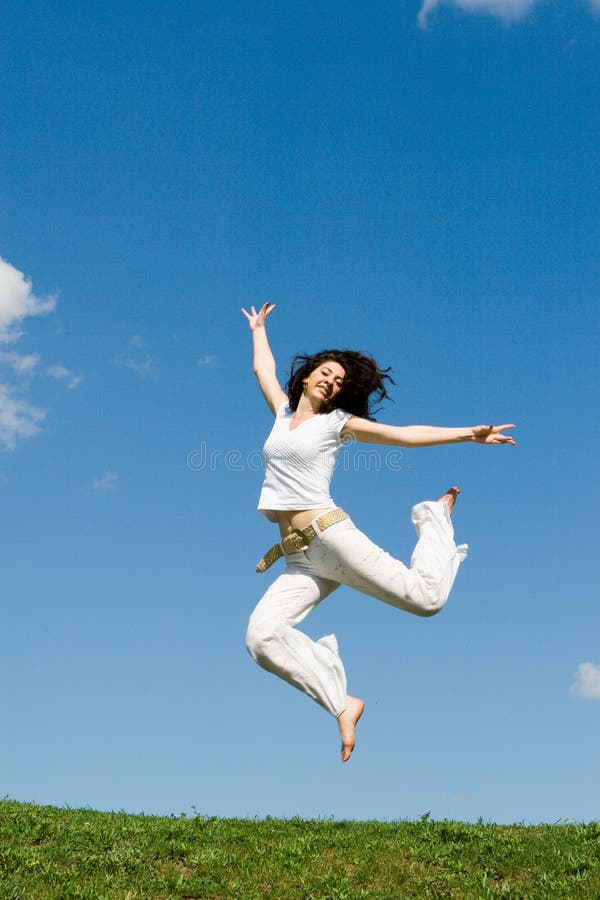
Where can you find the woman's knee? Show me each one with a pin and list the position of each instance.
(431, 609)
(428, 596)
(258, 640)
(432, 600)
(416, 596)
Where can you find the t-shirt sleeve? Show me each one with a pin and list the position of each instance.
(338, 418)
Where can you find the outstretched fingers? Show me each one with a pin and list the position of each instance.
(258, 318)
(492, 434)
(498, 438)
(249, 314)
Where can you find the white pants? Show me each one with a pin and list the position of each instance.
(344, 555)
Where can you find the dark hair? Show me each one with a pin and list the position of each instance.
(362, 378)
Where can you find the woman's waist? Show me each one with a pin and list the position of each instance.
(289, 519)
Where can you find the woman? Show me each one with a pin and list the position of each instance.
(327, 402)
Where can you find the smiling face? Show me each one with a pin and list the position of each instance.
(324, 382)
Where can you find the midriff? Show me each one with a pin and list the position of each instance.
(289, 519)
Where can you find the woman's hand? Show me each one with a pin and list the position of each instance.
(491, 434)
(258, 319)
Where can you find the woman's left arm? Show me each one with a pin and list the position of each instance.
(422, 435)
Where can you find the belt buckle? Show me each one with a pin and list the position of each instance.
(297, 539)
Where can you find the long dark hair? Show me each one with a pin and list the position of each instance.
(362, 378)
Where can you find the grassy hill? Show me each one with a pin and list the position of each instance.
(47, 852)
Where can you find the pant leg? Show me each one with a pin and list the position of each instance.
(436, 557)
(345, 554)
(275, 643)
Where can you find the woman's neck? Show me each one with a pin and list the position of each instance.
(305, 409)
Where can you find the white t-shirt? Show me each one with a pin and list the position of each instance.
(299, 463)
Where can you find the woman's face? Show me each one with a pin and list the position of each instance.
(325, 382)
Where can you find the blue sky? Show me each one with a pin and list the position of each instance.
(418, 181)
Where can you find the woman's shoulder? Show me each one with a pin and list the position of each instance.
(283, 414)
(335, 419)
(338, 415)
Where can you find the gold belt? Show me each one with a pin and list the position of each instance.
(300, 538)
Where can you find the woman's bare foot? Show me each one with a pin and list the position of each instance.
(450, 497)
(347, 725)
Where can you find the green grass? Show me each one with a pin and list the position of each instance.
(47, 852)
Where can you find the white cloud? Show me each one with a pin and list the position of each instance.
(19, 362)
(503, 9)
(18, 418)
(587, 681)
(137, 357)
(60, 372)
(208, 360)
(106, 482)
(595, 4)
(17, 301)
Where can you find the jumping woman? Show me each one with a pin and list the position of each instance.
(327, 402)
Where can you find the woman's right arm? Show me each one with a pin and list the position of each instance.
(264, 361)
